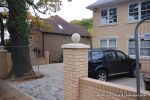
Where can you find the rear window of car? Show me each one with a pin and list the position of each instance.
(97, 55)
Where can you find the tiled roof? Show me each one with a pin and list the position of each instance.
(60, 26)
(102, 3)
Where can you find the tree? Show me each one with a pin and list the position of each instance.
(19, 28)
(86, 23)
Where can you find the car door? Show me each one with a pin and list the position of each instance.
(96, 59)
(124, 64)
(112, 63)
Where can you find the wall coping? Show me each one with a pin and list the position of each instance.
(3, 51)
(75, 46)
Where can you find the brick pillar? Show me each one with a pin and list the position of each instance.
(5, 63)
(75, 66)
(46, 55)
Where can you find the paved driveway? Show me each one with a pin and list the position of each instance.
(125, 80)
(50, 87)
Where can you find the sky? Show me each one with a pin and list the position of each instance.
(75, 10)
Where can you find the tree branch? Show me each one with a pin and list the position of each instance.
(3, 4)
(32, 4)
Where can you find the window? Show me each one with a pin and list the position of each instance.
(108, 43)
(36, 52)
(97, 55)
(134, 11)
(110, 56)
(144, 47)
(139, 10)
(108, 16)
(121, 56)
(131, 48)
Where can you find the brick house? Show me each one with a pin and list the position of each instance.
(52, 40)
(114, 23)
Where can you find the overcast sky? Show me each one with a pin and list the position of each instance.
(74, 10)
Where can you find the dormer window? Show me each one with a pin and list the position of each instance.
(108, 16)
(60, 27)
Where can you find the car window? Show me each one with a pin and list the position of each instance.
(110, 56)
(121, 56)
(97, 55)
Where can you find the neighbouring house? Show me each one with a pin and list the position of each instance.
(60, 33)
(114, 22)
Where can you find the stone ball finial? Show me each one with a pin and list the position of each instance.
(75, 38)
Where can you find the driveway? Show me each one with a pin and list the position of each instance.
(50, 87)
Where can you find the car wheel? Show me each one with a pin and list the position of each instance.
(102, 75)
(132, 72)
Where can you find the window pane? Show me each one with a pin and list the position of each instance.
(131, 16)
(133, 11)
(145, 9)
(121, 56)
(145, 47)
(131, 43)
(112, 43)
(110, 56)
(103, 43)
(97, 55)
(104, 13)
(131, 48)
(112, 15)
(104, 17)
(145, 43)
(104, 20)
(131, 51)
(145, 52)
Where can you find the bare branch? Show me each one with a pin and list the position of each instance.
(3, 5)
(33, 5)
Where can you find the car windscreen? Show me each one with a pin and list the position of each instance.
(97, 55)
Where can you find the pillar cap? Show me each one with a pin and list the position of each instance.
(75, 45)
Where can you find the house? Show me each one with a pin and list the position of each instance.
(60, 33)
(114, 23)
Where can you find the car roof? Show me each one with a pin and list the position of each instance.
(103, 50)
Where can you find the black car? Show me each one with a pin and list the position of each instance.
(107, 62)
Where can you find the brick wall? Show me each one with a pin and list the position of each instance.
(53, 42)
(77, 86)
(91, 89)
(145, 65)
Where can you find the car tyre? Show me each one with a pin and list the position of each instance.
(132, 72)
(102, 75)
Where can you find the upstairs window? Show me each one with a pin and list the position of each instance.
(138, 11)
(134, 11)
(108, 16)
(145, 9)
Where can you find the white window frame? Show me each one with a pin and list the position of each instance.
(108, 23)
(133, 56)
(139, 10)
(107, 44)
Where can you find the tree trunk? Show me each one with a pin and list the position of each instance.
(2, 30)
(19, 33)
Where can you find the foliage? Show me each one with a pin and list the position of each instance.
(19, 26)
(87, 23)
